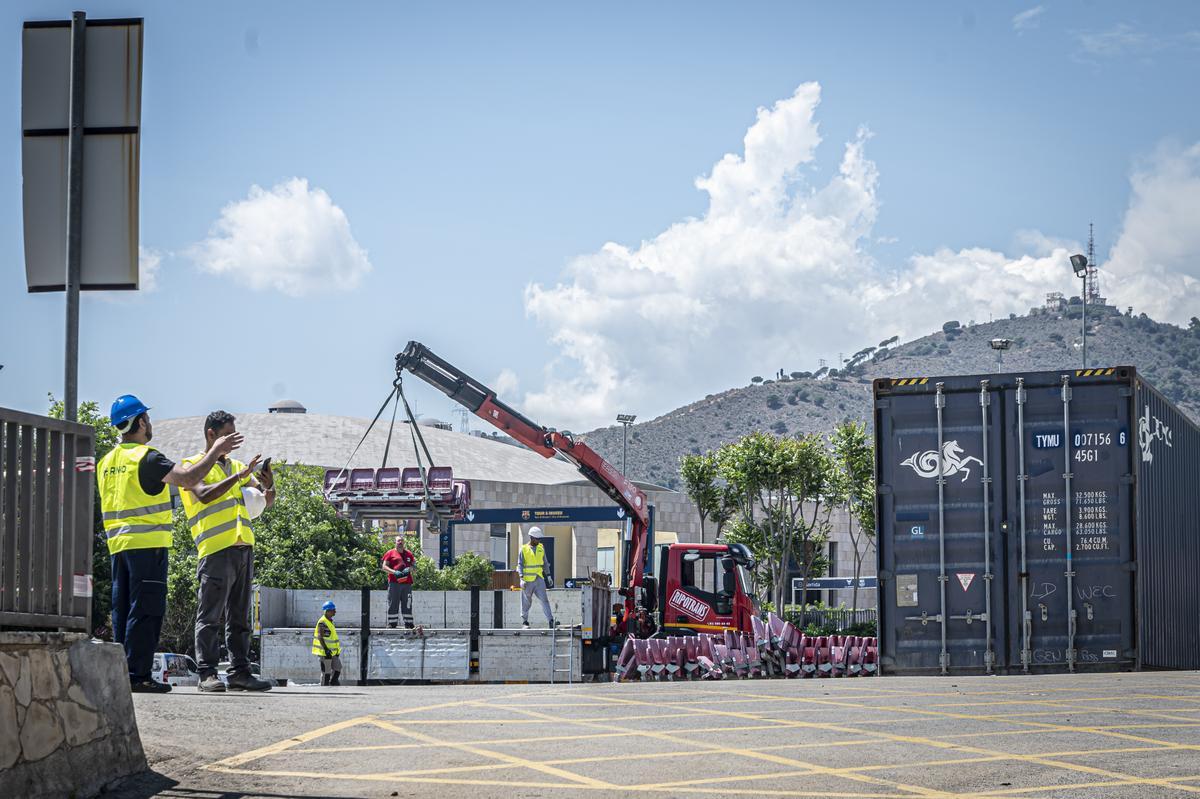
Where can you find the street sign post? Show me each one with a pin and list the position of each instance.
(81, 106)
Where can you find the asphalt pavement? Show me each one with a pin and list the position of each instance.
(1100, 735)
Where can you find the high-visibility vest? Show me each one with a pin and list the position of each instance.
(331, 639)
(132, 518)
(534, 558)
(221, 522)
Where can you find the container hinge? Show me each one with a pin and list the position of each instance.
(1126, 391)
(1129, 654)
(1088, 610)
(883, 490)
(882, 404)
(1131, 566)
(884, 574)
(887, 660)
(1128, 479)
(1068, 475)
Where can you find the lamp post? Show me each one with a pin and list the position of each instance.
(1000, 345)
(625, 419)
(1079, 263)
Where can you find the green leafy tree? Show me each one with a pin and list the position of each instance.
(106, 438)
(471, 569)
(780, 485)
(853, 485)
(699, 473)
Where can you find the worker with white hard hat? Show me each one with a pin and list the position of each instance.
(531, 563)
(219, 511)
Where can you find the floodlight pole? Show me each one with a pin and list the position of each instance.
(74, 215)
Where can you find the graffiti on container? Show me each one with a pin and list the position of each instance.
(1096, 592)
(1043, 590)
(925, 464)
(1047, 656)
(1151, 429)
(1088, 657)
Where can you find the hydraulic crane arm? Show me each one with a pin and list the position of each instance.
(482, 401)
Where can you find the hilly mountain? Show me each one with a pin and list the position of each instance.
(804, 402)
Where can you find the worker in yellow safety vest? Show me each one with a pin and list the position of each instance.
(327, 647)
(135, 504)
(531, 563)
(219, 512)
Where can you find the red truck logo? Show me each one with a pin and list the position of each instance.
(688, 604)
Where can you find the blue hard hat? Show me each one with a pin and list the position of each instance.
(124, 408)
(329, 606)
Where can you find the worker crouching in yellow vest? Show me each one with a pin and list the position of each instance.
(327, 647)
(219, 520)
(135, 505)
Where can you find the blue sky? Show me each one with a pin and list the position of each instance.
(466, 165)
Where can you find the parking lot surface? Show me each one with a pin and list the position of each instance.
(1115, 735)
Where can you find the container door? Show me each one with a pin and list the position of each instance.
(1073, 581)
(938, 493)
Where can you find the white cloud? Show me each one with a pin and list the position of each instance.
(1155, 264)
(1028, 19)
(290, 238)
(149, 261)
(776, 274)
(1121, 39)
(506, 383)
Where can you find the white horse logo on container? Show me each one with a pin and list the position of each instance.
(1151, 429)
(925, 464)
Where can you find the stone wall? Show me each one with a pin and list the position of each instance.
(66, 715)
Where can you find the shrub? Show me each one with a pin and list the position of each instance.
(774, 402)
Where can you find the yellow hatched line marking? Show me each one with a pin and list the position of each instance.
(1025, 758)
(494, 755)
(750, 754)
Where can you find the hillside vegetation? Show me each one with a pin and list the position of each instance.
(803, 402)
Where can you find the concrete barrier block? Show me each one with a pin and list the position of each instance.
(67, 725)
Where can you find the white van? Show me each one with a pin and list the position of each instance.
(174, 669)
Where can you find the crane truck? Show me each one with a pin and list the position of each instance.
(701, 588)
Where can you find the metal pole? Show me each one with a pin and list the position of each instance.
(1026, 621)
(984, 400)
(624, 443)
(940, 402)
(1067, 475)
(1085, 320)
(74, 216)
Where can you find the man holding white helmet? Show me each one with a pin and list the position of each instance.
(219, 512)
(531, 563)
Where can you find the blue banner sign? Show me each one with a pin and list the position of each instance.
(835, 583)
(611, 513)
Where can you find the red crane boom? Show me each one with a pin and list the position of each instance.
(481, 401)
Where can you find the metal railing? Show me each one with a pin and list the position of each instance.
(839, 618)
(47, 476)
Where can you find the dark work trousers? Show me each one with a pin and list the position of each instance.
(225, 578)
(400, 600)
(139, 600)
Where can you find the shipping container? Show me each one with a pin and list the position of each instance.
(1047, 521)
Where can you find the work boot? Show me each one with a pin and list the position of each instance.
(324, 679)
(391, 625)
(149, 687)
(525, 625)
(245, 681)
(335, 680)
(211, 685)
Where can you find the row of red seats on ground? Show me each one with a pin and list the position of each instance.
(776, 649)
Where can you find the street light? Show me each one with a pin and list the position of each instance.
(1080, 264)
(625, 419)
(1000, 345)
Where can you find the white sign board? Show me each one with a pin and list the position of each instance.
(111, 152)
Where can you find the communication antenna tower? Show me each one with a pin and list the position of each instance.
(820, 363)
(1093, 274)
(463, 415)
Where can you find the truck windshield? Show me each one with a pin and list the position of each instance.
(745, 580)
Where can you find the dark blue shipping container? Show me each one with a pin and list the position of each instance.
(1047, 521)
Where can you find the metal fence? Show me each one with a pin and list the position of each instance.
(47, 474)
(839, 618)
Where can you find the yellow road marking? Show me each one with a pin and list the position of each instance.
(494, 755)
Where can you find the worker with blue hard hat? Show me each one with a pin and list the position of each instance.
(135, 504)
(327, 647)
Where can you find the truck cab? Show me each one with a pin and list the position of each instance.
(704, 588)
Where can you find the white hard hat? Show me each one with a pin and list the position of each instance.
(256, 501)
(535, 532)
